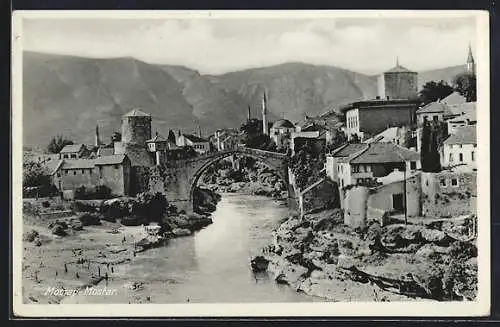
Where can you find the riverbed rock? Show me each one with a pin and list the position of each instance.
(59, 230)
(179, 232)
(132, 220)
(30, 236)
(89, 219)
(76, 224)
(259, 264)
(433, 235)
(148, 242)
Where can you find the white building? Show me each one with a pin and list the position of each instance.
(281, 132)
(199, 144)
(460, 148)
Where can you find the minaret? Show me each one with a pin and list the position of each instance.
(471, 65)
(264, 115)
(249, 116)
(97, 139)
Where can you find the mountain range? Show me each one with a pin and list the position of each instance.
(67, 95)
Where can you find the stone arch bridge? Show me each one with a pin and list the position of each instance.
(180, 177)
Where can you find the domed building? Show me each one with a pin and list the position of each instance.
(280, 132)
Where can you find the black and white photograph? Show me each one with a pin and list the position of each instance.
(251, 163)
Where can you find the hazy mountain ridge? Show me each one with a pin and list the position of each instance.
(68, 95)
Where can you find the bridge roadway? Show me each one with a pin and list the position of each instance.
(182, 175)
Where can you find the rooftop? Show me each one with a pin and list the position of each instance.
(194, 138)
(136, 113)
(399, 69)
(386, 136)
(396, 176)
(385, 153)
(71, 148)
(468, 116)
(435, 107)
(463, 135)
(454, 98)
(52, 165)
(378, 103)
(349, 149)
(78, 164)
(110, 160)
(157, 138)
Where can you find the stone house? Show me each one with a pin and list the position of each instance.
(395, 135)
(319, 196)
(449, 193)
(368, 118)
(396, 195)
(358, 164)
(281, 132)
(74, 151)
(200, 145)
(460, 148)
(434, 111)
(112, 171)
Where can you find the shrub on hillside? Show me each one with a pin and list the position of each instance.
(151, 206)
(98, 192)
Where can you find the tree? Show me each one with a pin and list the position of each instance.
(34, 174)
(433, 135)
(433, 91)
(354, 138)
(465, 84)
(57, 143)
(254, 136)
(171, 136)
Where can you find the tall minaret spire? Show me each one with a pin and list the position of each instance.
(264, 114)
(397, 61)
(249, 115)
(471, 65)
(97, 139)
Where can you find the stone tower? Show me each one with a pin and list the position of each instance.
(398, 83)
(471, 65)
(136, 127)
(265, 128)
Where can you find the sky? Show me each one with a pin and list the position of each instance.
(220, 45)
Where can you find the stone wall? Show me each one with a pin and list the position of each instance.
(321, 195)
(401, 85)
(448, 194)
(136, 130)
(139, 179)
(375, 120)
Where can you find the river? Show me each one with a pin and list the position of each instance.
(210, 266)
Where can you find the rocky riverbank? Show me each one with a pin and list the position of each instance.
(70, 246)
(319, 255)
(253, 179)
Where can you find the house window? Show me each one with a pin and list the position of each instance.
(83, 171)
(460, 157)
(58, 175)
(475, 145)
(355, 169)
(342, 182)
(454, 182)
(73, 156)
(435, 118)
(426, 182)
(442, 182)
(413, 165)
(451, 157)
(65, 172)
(65, 156)
(74, 172)
(116, 166)
(473, 156)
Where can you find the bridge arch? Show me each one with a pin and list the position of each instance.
(275, 161)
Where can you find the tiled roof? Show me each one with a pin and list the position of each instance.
(454, 98)
(52, 165)
(136, 113)
(194, 138)
(385, 153)
(463, 135)
(386, 136)
(78, 164)
(349, 149)
(399, 69)
(434, 107)
(110, 160)
(71, 148)
(469, 116)
(106, 151)
(462, 108)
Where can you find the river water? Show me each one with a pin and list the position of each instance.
(210, 266)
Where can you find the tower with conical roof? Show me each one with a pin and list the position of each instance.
(471, 65)
(265, 127)
(398, 83)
